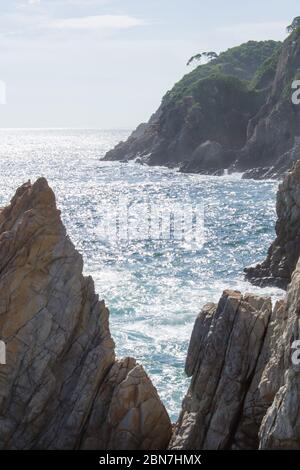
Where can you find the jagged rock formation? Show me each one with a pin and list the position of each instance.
(202, 122)
(62, 387)
(245, 370)
(223, 409)
(280, 427)
(244, 390)
(273, 134)
(235, 113)
(284, 252)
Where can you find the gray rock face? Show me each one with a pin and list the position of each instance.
(245, 367)
(223, 408)
(273, 134)
(244, 392)
(211, 104)
(209, 157)
(280, 427)
(62, 387)
(284, 252)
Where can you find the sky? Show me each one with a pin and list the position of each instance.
(107, 63)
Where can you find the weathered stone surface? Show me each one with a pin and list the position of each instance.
(284, 252)
(210, 104)
(223, 359)
(61, 387)
(125, 414)
(280, 428)
(273, 134)
(245, 388)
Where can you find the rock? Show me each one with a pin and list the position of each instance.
(222, 409)
(214, 103)
(125, 414)
(208, 158)
(244, 391)
(62, 387)
(284, 252)
(256, 173)
(280, 428)
(245, 370)
(273, 134)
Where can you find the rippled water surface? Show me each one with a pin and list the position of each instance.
(154, 289)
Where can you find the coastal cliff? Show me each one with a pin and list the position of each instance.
(202, 122)
(244, 367)
(283, 254)
(234, 113)
(273, 136)
(62, 387)
(245, 387)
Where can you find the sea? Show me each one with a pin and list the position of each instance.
(154, 269)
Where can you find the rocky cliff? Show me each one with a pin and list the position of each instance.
(235, 113)
(242, 360)
(273, 136)
(202, 122)
(284, 252)
(244, 392)
(62, 387)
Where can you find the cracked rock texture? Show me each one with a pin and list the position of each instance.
(222, 409)
(242, 360)
(244, 391)
(62, 387)
(284, 252)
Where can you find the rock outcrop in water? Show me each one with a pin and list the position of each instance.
(245, 370)
(223, 408)
(202, 122)
(62, 387)
(284, 252)
(273, 140)
(235, 113)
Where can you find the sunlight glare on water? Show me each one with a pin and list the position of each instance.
(154, 289)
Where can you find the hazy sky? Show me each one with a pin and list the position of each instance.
(107, 63)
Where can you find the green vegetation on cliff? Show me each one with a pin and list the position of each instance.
(245, 62)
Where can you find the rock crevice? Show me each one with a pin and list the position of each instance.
(62, 385)
(63, 388)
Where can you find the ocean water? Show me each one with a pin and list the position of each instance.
(153, 287)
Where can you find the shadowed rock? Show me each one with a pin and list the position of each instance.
(284, 252)
(62, 387)
(222, 408)
(245, 386)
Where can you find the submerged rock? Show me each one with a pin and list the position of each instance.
(62, 387)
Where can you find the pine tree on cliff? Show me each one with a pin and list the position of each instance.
(294, 25)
